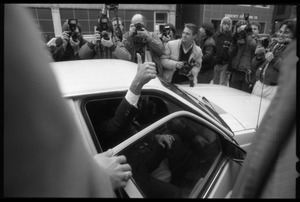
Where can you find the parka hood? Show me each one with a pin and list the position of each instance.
(223, 20)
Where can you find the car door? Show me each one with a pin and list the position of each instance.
(204, 165)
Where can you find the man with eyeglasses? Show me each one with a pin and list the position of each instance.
(139, 40)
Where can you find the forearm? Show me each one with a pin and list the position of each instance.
(86, 51)
(121, 52)
(155, 45)
(136, 86)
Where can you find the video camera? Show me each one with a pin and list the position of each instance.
(247, 29)
(72, 25)
(264, 42)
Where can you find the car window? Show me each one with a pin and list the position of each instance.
(150, 109)
(180, 171)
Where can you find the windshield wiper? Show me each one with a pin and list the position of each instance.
(215, 113)
(207, 101)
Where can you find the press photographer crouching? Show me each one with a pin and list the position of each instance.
(105, 44)
(67, 46)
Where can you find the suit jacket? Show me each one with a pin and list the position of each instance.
(118, 128)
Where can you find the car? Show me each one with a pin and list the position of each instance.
(216, 122)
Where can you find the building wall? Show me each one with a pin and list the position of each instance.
(283, 12)
(215, 12)
(50, 17)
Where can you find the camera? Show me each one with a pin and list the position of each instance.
(185, 69)
(138, 27)
(187, 66)
(264, 42)
(72, 24)
(103, 27)
(166, 31)
(246, 16)
(226, 44)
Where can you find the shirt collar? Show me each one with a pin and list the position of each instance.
(189, 48)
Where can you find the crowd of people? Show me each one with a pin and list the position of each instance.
(232, 56)
(39, 167)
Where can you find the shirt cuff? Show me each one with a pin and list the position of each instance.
(132, 98)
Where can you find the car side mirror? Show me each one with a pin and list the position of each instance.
(233, 151)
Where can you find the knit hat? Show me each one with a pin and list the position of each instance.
(208, 27)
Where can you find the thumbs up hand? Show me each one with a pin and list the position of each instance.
(145, 72)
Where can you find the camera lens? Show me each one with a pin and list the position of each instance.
(74, 37)
(139, 27)
(105, 36)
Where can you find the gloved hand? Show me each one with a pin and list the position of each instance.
(75, 45)
(260, 51)
(107, 43)
(97, 37)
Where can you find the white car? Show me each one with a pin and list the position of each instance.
(223, 118)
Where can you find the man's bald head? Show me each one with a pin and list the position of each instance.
(138, 18)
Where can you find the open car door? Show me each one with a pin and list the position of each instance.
(202, 162)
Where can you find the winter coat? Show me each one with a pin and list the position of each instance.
(171, 56)
(60, 54)
(241, 53)
(221, 48)
(208, 47)
(153, 44)
(273, 68)
(116, 51)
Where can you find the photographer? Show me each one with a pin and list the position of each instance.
(266, 63)
(147, 44)
(223, 38)
(208, 47)
(241, 52)
(182, 58)
(67, 46)
(105, 44)
(118, 27)
(168, 33)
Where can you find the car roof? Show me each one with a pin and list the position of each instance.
(79, 77)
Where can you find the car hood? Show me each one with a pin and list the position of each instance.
(240, 110)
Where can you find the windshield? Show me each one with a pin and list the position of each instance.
(201, 102)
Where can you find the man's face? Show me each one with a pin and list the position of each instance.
(284, 34)
(187, 35)
(137, 20)
(226, 26)
(255, 30)
(114, 24)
